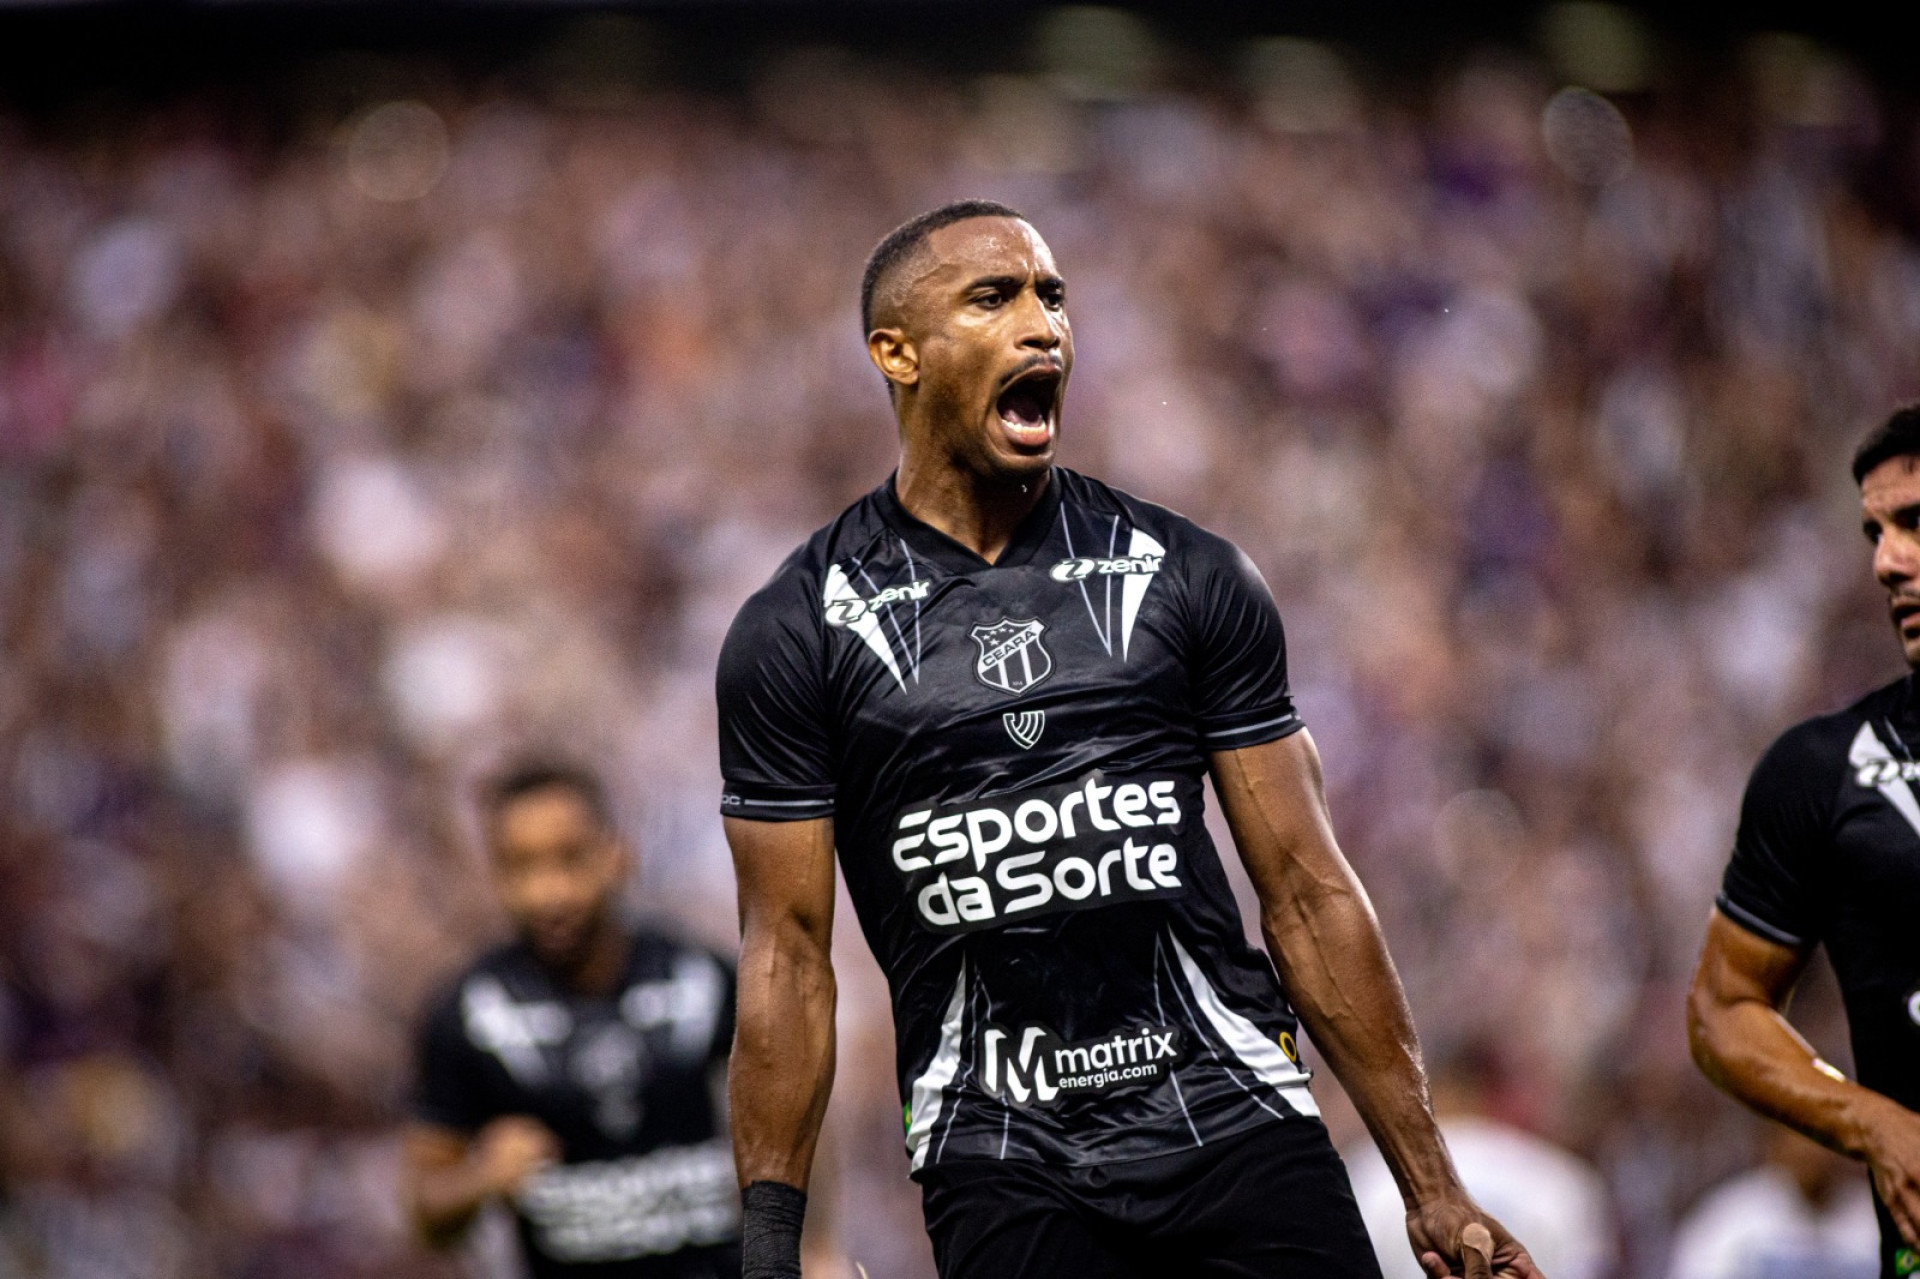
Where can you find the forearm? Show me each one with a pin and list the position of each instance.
(1343, 984)
(783, 1054)
(1326, 942)
(443, 1201)
(1751, 1052)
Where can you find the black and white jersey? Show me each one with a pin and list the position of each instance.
(645, 1189)
(1012, 754)
(1828, 853)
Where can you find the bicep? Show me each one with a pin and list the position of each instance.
(1738, 966)
(785, 874)
(1275, 806)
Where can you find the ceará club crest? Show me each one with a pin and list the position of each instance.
(1012, 658)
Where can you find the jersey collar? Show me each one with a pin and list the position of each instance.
(930, 542)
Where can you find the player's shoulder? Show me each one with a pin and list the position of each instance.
(1823, 748)
(499, 966)
(797, 586)
(1831, 738)
(663, 946)
(1176, 534)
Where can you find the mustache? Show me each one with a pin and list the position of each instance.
(1052, 363)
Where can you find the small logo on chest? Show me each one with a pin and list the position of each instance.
(1025, 727)
(1012, 658)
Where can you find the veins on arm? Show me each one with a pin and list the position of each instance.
(782, 1066)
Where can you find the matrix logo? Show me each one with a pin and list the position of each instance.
(1034, 1066)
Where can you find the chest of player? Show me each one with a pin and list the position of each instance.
(607, 1075)
(1873, 868)
(1065, 653)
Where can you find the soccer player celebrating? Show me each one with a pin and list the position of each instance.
(1828, 852)
(995, 685)
(572, 1073)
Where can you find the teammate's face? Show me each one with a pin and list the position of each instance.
(1890, 513)
(557, 869)
(986, 327)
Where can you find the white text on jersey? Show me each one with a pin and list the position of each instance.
(845, 612)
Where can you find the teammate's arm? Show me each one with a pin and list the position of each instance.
(1746, 1047)
(448, 1176)
(1326, 942)
(783, 1044)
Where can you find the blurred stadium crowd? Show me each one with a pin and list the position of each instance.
(340, 461)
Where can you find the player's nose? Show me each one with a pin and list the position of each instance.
(1896, 557)
(1038, 329)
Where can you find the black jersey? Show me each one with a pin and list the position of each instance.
(645, 1188)
(1829, 853)
(1012, 755)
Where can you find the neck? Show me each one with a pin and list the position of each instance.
(597, 967)
(979, 512)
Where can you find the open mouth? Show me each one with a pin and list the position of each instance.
(1026, 407)
(1905, 613)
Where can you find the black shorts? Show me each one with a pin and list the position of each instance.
(1270, 1203)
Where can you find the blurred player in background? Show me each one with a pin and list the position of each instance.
(1804, 1213)
(996, 686)
(1828, 852)
(573, 1073)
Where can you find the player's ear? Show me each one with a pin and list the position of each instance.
(897, 358)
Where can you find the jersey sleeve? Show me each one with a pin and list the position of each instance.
(1772, 886)
(1239, 654)
(775, 743)
(446, 1089)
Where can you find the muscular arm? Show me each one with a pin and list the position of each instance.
(1326, 943)
(448, 1178)
(1743, 1043)
(782, 1069)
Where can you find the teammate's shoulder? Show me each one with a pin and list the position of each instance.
(662, 943)
(1830, 736)
(494, 963)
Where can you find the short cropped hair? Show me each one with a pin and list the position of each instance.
(528, 777)
(904, 240)
(1898, 436)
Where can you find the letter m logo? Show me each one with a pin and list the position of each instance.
(1021, 1077)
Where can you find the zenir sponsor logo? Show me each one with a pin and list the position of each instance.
(1082, 567)
(1034, 1067)
(845, 612)
(1025, 727)
(1884, 772)
(1012, 658)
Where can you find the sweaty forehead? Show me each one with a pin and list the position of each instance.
(997, 246)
